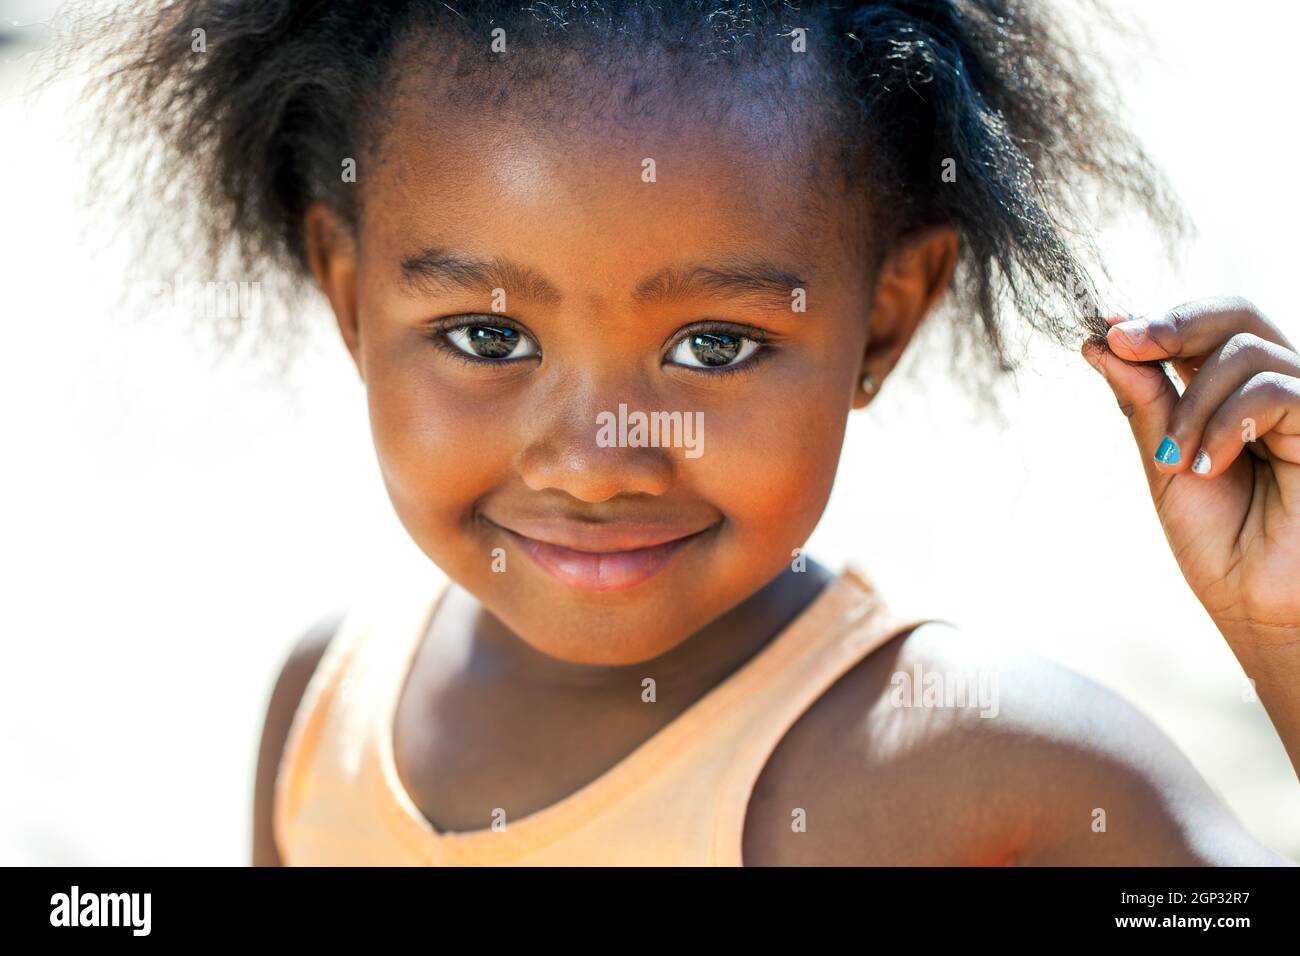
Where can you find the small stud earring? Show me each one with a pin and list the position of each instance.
(868, 383)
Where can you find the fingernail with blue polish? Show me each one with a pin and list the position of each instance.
(1167, 453)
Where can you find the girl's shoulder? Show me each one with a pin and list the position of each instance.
(301, 663)
(946, 746)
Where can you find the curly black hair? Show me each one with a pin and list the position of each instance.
(229, 147)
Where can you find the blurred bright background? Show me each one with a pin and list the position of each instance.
(170, 526)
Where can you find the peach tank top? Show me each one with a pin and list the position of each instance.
(679, 799)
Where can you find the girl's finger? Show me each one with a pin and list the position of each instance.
(1184, 367)
(1222, 372)
(1268, 404)
(1145, 394)
(1189, 330)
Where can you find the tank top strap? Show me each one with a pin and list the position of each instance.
(843, 630)
(325, 788)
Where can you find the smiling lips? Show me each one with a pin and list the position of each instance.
(600, 557)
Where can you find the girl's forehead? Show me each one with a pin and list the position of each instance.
(617, 194)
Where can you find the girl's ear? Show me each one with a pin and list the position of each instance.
(331, 253)
(910, 282)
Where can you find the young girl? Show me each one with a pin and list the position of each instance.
(614, 275)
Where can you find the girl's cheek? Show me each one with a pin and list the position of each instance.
(436, 454)
(771, 465)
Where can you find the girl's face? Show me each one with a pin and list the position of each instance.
(519, 288)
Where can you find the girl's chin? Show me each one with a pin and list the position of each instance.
(563, 648)
(569, 634)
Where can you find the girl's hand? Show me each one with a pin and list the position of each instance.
(1222, 459)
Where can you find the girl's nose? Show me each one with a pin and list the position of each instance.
(571, 452)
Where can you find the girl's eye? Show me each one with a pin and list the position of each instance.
(712, 349)
(492, 341)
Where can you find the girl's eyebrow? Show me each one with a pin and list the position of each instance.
(759, 280)
(451, 271)
(447, 270)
